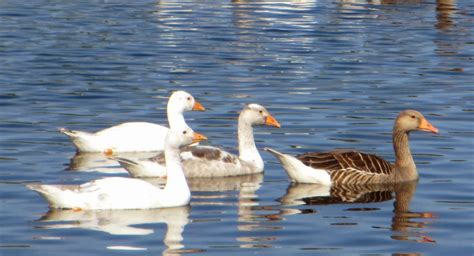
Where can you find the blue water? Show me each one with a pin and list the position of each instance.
(334, 74)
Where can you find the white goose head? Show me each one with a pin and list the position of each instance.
(181, 101)
(178, 138)
(254, 114)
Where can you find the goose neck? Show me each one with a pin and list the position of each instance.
(175, 116)
(176, 180)
(247, 149)
(403, 156)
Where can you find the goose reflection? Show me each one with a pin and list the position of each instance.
(245, 185)
(216, 184)
(403, 221)
(122, 222)
(249, 221)
(444, 10)
(99, 162)
(405, 224)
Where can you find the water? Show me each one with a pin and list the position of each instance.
(334, 73)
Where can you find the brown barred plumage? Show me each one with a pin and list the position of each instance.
(352, 167)
(349, 167)
(352, 193)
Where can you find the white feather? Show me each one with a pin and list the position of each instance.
(134, 136)
(127, 193)
(299, 172)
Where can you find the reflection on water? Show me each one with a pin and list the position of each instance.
(252, 217)
(404, 225)
(333, 72)
(446, 44)
(98, 162)
(408, 225)
(123, 222)
(444, 10)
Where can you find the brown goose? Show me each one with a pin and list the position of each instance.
(352, 167)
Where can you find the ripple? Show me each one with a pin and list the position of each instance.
(334, 73)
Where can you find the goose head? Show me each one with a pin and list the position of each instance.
(178, 138)
(412, 120)
(182, 101)
(255, 114)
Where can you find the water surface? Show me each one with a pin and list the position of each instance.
(334, 73)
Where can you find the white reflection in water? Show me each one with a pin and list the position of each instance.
(247, 204)
(277, 14)
(123, 222)
(99, 162)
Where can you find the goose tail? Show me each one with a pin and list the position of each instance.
(274, 152)
(54, 195)
(134, 169)
(84, 141)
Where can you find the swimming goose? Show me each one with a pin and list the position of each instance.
(206, 161)
(136, 136)
(128, 193)
(352, 167)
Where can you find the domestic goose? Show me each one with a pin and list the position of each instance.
(352, 167)
(136, 136)
(128, 193)
(207, 161)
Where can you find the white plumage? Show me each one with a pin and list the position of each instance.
(206, 161)
(128, 193)
(136, 136)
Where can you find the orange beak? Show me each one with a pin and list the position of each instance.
(197, 106)
(271, 121)
(197, 137)
(427, 127)
(108, 152)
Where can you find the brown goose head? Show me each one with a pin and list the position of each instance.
(412, 120)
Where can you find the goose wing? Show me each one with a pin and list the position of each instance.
(348, 166)
(333, 161)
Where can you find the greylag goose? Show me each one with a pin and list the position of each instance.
(128, 193)
(352, 167)
(136, 136)
(206, 161)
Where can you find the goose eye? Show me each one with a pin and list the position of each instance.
(189, 98)
(413, 117)
(184, 132)
(261, 111)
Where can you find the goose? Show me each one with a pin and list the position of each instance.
(352, 167)
(207, 161)
(128, 193)
(135, 136)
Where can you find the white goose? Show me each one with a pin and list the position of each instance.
(136, 136)
(206, 161)
(128, 193)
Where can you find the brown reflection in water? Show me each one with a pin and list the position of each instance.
(446, 46)
(403, 219)
(404, 225)
(444, 11)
